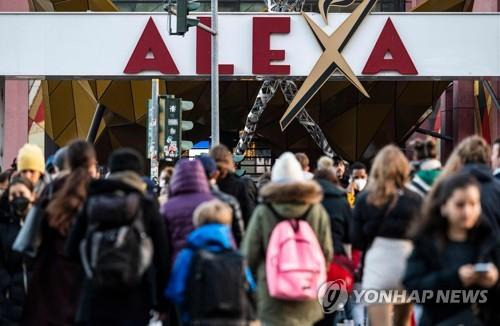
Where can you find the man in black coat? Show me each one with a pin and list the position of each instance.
(229, 183)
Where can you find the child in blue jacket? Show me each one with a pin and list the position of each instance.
(212, 220)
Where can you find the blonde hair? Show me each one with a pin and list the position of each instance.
(223, 158)
(213, 211)
(390, 172)
(473, 149)
(325, 163)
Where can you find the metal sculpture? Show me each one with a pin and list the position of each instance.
(289, 90)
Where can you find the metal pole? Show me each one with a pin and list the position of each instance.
(215, 79)
(153, 121)
(96, 122)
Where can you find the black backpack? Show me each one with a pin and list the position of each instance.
(217, 288)
(116, 251)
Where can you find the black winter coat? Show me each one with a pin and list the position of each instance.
(14, 268)
(432, 266)
(335, 203)
(238, 188)
(133, 304)
(370, 221)
(54, 276)
(490, 193)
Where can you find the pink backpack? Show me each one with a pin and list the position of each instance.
(295, 263)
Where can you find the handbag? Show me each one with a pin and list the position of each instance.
(29, 238)
(342, 268)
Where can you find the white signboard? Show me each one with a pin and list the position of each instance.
(135, 45)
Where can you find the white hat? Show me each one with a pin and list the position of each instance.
(287, 169)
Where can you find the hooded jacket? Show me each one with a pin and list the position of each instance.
(188, 188)
(490, 194)
(113, 305)
(211, 237)
(339, 211)
(289, 199)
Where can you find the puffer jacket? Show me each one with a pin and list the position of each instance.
(188, 188)
(290, 200)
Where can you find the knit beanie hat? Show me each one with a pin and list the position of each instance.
(126, 159)
(30, 157)
(287, 169)
(209, 164)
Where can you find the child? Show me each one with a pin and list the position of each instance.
(208, 271)
(452, 241)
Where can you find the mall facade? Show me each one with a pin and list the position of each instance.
(415, 101)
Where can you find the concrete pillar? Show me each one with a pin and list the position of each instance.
(14, 104)
(15, 118)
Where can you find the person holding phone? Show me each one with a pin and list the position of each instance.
(455, 250)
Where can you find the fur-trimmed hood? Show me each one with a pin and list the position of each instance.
(303, 192)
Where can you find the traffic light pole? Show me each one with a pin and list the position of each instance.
(153, 124)
(215, 79)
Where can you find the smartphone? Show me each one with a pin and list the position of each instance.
(482, 267)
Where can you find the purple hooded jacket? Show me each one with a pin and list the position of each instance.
(188, 188)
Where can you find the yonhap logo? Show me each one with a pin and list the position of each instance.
(332, 296)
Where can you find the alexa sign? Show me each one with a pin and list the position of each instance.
(152, 53)
(388, 54)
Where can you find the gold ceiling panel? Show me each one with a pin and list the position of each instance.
(62, 99)
(71, 5)
(118, 99)
(69, 133)
(86, 104)
(444, 5)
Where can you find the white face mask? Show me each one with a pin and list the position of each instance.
(360, 184)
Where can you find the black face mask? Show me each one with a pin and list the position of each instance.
(19, 206)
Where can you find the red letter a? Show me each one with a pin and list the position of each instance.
(151, 41)
(390, 42)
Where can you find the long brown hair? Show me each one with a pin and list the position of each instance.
(69, 199)
(390, 172)
(434, 224)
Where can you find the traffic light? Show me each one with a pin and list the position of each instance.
(183, 21)
(171, 143)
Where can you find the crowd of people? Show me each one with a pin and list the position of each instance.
(80, 247)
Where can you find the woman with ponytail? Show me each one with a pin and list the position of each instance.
(55, 288)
